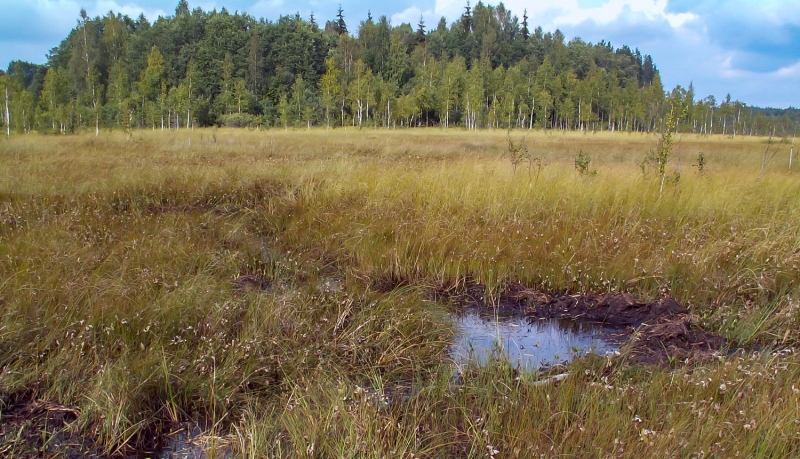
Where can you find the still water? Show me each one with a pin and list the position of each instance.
(529, 343)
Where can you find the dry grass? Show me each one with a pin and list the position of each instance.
(248, 280)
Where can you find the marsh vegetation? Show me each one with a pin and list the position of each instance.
(291, 291)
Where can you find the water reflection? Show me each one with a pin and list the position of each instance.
(188, 442)
(529, 344)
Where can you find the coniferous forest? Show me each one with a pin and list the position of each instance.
(489, 69)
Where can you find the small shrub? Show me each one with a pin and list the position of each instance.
(237, 120)
(701, 163)
(518, 153)
(659, 157)
(582, 164)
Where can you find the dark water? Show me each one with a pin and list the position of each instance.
(188, 442)
(529, 344)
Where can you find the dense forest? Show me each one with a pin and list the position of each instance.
(488, 69)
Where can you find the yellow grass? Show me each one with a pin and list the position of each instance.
(119, 263)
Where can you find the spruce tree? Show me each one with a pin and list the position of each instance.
(466, 18)
(341, 26)
(419, 37)
(525, 31)
(182, 8)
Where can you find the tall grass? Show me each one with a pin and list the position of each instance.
(277, 286)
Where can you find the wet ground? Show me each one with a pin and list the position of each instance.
(659, 332)
(534, 329)
(188, 441)
(529, 343)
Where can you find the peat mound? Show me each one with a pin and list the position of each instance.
(614, 309)
(659, 332)
(673, 339)
(30, 428)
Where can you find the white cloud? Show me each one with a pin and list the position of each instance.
(30, 29)
(792, 71)
(265, 8)
(784, 73)
(62, 15)
(411, 16)
(555, 13)
(131, 9)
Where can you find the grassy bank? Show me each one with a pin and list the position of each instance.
(277, 286)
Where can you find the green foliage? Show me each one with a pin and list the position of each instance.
(660, 156)
(700, 164)
(582, 164)
(518, 153)
(483, 71)
(237, 120)
(284, 111)
(152, 84)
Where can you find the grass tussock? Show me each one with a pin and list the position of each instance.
(276, 286)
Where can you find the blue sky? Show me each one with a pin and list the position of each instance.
(748, 48)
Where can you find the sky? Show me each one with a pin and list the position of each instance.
(749, 49)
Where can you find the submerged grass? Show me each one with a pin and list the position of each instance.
(276, 286)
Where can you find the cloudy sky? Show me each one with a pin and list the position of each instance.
(748, 48)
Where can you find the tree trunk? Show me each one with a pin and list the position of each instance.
(533, 107)
(8, 117)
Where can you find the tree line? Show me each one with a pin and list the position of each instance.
(488, 69)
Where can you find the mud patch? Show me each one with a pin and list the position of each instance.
(31, 429)
(616, 309)
(250, 282)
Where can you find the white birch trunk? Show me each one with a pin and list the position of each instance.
(8, 117)
(533, 107)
